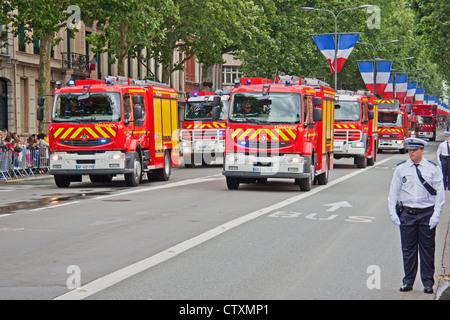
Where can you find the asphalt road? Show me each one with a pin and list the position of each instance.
(192, 238)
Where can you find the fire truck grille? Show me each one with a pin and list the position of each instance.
(350, 135)
(87, 143)
(264, 145)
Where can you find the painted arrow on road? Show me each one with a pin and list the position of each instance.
(337, 205)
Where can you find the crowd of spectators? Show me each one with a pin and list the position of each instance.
(32, 148)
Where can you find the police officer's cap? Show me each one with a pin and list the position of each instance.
(447, 134)
(415, 143)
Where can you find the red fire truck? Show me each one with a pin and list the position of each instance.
(202, 139)
(281, 130)
(393, 125)
(355, 129)
(118, 126)
(426, 120)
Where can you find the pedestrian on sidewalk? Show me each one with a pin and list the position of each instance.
(415, 201)
(443, 154)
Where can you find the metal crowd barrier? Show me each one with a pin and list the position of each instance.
(24, 163)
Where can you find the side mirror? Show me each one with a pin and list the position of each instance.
(41, 101)
(137, 99)
(137, 111)
(337, 106)
(370, 106)
(408, 108)
(371, 115)
(40, 113)
(216, 113)
(317, 101)
(216, 101)
(317, 115)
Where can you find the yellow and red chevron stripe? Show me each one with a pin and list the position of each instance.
(381, 130)
(97, 132)
(271, 134)
(214, 125)
(344, 126)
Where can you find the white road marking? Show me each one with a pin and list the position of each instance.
(127, 272)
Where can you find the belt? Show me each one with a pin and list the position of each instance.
(445, 157)
(417, 210)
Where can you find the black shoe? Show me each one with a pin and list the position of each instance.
(406, 287)
(428, 289)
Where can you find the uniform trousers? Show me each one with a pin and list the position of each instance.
(445, 161)
(417, 239)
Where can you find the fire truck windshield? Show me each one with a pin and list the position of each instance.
(97, 107)
(202, 110)
(348, 111)
(390, 119)
(277, 107)
(424, 120)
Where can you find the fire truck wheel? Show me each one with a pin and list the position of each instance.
(361, 162)
(164, 173)
(62, 181)
(307, 183)
(232, 183)
(322, 179)
(133, 179)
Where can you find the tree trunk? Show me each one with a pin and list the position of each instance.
(123, 49)
(165, 77)
(45, 45)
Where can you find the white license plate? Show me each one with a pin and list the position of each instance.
(85, 166)
(262, 169)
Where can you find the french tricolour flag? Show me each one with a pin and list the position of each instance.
(366, 70)
(326, 45)
(383, 74)
(401, 86)
(411, 91)
(389, 91)
(420, 95)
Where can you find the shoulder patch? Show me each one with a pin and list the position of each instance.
(401, 163)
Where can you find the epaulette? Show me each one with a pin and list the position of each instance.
(401, 163)
(433, 163)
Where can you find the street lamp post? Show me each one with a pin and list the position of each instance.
(335, 32)
(374, 60)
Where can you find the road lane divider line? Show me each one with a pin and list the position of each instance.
(56, 206)
(133, 269)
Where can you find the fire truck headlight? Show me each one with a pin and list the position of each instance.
(231, 158)
(294, 160)
(185, 144)
(117, 156)
(55, 157)
(358, 144)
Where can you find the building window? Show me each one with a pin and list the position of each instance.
(230, 73)
(36, 49)
(22, 47)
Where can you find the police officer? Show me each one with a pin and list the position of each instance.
(443, 154)
(417, 185)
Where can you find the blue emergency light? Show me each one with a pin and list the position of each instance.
(71, 83)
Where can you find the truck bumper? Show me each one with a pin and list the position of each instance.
(425, 134)
(108, 162)
(390, 144)
(287, 166)
(344, 149)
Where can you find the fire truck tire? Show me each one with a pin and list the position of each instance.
(322, 179)
(133, 179)
(361, 161)
(307, 183)
(164, 173)
(62, 181)
(232, 183)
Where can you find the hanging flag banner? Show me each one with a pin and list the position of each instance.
(93, 63)
(383, 74)
(366, 70)
(346, 44)
(410, 92)
(420, 95)
(431, 100)
(389, 90)
(326, 45)
(401, 86)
